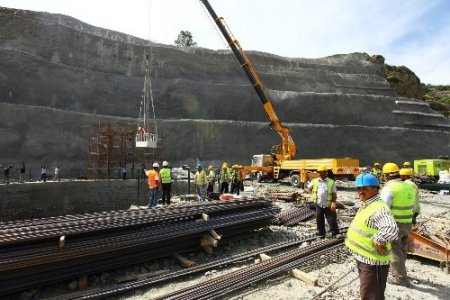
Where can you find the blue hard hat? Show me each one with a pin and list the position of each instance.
(366, 179)
(199, 166)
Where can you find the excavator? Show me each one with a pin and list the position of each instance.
(280, 163)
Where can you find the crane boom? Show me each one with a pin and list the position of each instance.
(287, 149)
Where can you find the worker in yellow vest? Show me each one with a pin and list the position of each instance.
(406, 175)
(211, 179)
(376, 171)
(369, 238)
(324, 195)
(200, 182)
(224, 178)
(166, 182)
(400, 197)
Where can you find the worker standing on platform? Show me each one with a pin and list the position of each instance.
(369, 238)
(166, 182)
(200, 182)
(324, 195)
(400, 197)
(153, 184)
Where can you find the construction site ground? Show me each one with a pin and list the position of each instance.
(429, 281)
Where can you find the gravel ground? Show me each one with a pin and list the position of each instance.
(429, 281)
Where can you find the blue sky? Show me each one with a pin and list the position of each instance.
(413, 33)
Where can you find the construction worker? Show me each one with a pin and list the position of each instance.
(200, 182)
(153, 184)
(211, 179)
(406, 175)
(236, 177)
(324, 195)
(166, 182)
(376, 171)
(369, 238)
(400, 197)
(407, 165)
(224, 178)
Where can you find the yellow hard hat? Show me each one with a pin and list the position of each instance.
(406, 171)
(322, 168)
(376, 164)
(224, 166)
(407, 164)
(390, 168)
(210, 167)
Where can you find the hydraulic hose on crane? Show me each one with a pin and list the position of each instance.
(287, 149)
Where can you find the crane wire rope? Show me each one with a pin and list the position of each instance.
(148, 90)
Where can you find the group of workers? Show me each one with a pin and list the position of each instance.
(204, 181)
(378, 235)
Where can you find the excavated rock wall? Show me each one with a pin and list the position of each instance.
(60, 77)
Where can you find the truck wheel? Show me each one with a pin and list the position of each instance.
(295, 181)
(258, 177)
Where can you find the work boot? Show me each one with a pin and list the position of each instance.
(397, 281)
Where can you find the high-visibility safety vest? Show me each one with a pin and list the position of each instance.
(165, 175)
(225, 175)
(404, 197)
(153, 179)
(211, 176)
(200, 178)
(377, 173)
(360, 236)
(315, 187)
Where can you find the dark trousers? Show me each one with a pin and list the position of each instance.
(166, 189)
(224, 188)
(321, 213)
(235, 187)
(210, 188)
(372, 281)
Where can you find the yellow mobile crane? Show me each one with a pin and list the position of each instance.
(280, 164)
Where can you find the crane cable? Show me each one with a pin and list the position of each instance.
(147, 78)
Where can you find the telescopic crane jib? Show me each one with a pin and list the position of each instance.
(287, 149)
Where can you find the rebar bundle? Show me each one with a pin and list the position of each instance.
(294, 216)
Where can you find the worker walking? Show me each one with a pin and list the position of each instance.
(400, 197)
(153, 184)
(324, 195)
(200, 182)
(211, 179)
(166, 182)
(224, 178)
(369, 238)
(377, 172)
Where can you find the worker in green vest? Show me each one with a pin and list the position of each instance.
(400, 197)
(369, 238)
(166, 182)
(324, 195)
(406, 175)
(377, 172)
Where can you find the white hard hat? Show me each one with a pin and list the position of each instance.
(155, 165)
(165, 163)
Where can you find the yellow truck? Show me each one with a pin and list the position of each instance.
(299, 171)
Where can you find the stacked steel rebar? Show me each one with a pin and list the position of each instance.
(41, 251)
(293, 216)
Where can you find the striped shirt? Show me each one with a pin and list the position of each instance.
(387, 230)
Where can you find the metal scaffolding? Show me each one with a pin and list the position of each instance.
(111, 147)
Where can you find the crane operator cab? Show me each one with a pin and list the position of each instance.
(145, 139)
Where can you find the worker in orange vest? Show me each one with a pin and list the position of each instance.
(153, 184)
